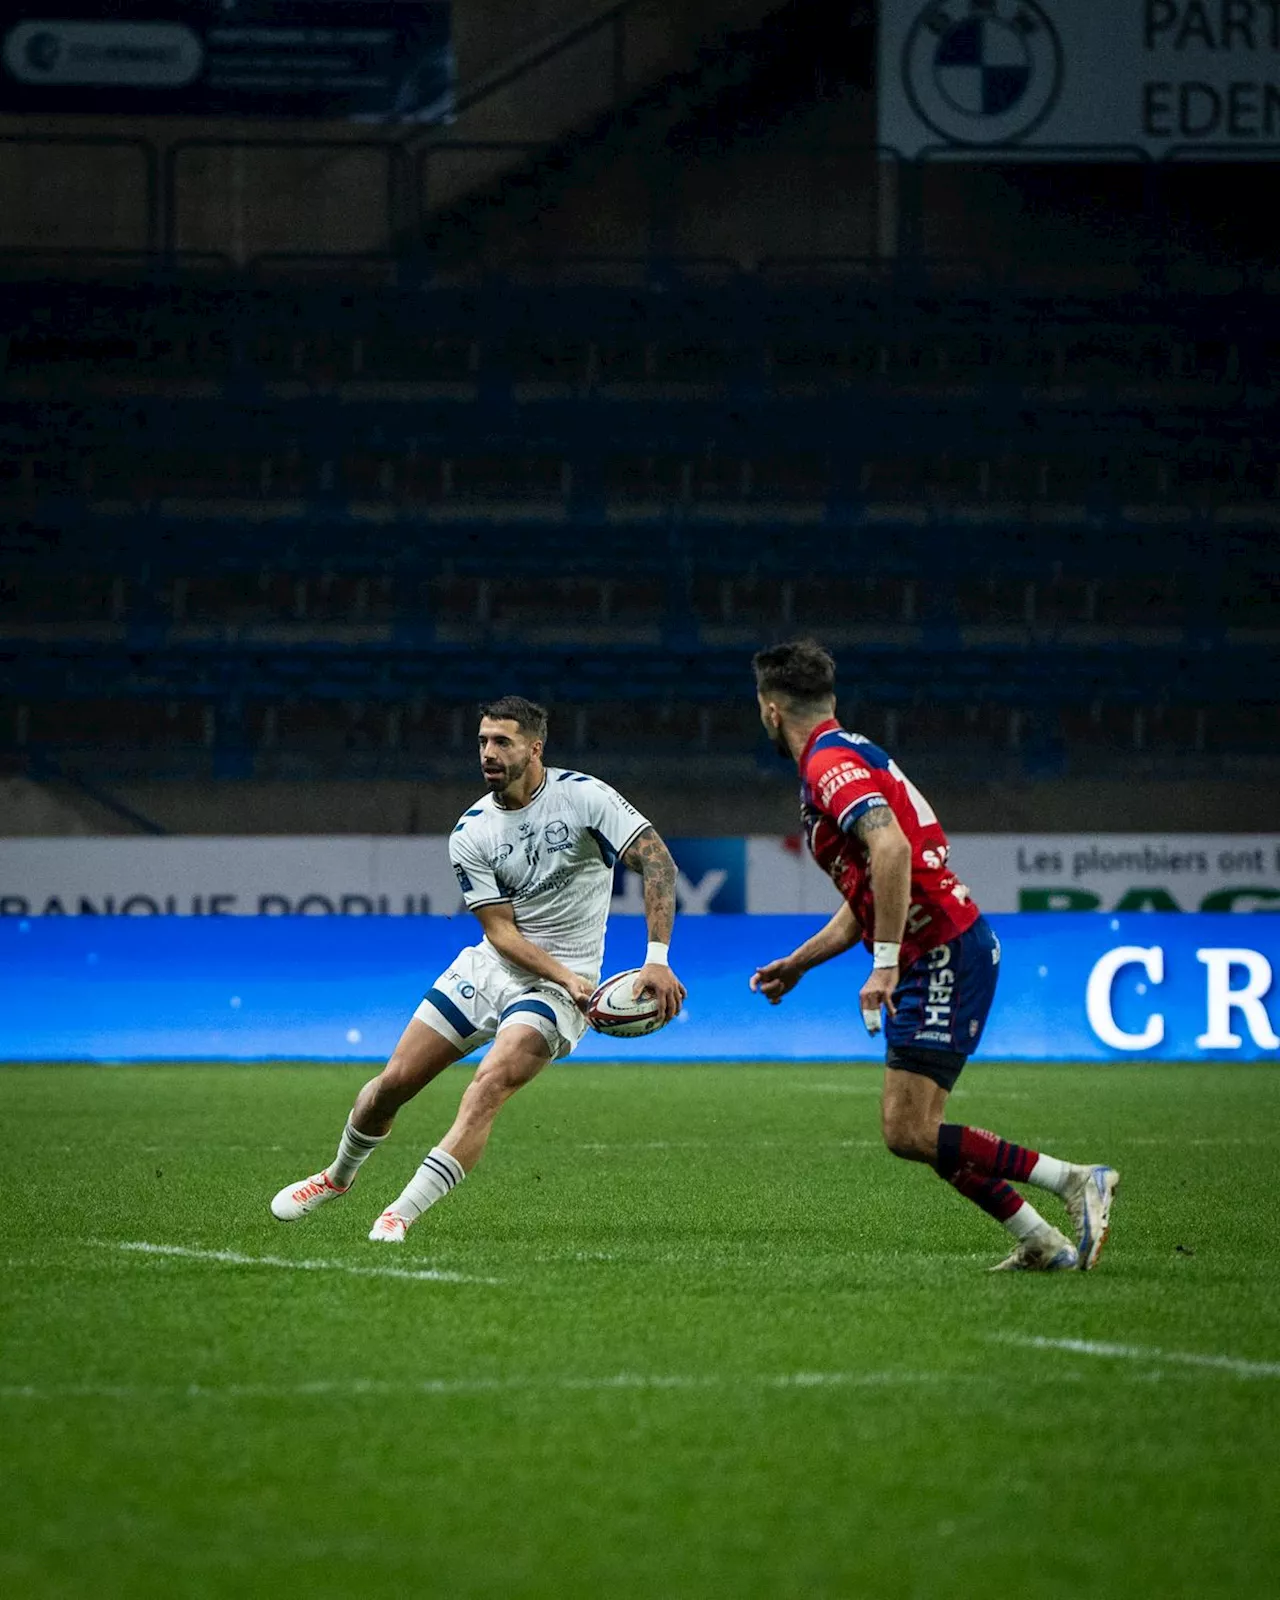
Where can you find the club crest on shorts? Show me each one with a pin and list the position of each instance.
(982, 72)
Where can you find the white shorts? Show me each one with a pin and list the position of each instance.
(477, 997)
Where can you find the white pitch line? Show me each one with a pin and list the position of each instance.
(730, 1143)
(235, 1259)
(1181, 1143)
(356, 1388)
(1138, 1352)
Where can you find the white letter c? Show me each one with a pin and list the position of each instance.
(1097, 998)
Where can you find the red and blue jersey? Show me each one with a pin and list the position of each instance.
(842, 777)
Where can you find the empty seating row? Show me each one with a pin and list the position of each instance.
(421, 730)
(233, 597)
(1049, 675)
(922, 480)
(527, 324)
(1149, 357)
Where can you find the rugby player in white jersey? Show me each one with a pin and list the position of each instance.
(534, 858)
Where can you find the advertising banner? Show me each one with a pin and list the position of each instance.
(369, 60)
(764, 875)
(1127, 988)
(356, 875)
(1061, 872)
(1145, 75)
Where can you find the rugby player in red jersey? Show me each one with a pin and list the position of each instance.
(935, 961)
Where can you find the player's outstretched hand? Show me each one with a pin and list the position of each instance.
(877, 991)
(663, 985)
(775, 979)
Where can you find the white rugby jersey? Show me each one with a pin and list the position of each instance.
(551, 861)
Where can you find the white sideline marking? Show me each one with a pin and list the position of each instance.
(1138, 1352)
(235, 1259)
(376, 1387)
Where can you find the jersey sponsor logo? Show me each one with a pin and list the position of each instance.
(501, 853)
(553, 880)
(557, 836)
(464, 882)
(940, 990)
(843, 772)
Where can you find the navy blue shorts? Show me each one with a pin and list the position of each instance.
(943, 1000)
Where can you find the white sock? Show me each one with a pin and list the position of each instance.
(438, 1174)
(1050, 1173)
(1025, 1221)
(354, 1149)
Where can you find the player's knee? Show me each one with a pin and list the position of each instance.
(498, 1077)
(393, 1086)
(486, 1092)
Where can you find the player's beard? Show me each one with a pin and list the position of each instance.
(500, 782)
(778, 740)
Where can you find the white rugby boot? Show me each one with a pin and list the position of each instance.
(1088, 1197)
(1045, 1250)
(301, 1199)
(390, 1228)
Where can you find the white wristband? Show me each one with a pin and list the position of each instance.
(656, 954)
(885, 953)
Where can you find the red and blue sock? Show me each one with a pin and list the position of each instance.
(977, 1151)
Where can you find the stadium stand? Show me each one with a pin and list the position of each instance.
(289, 519)
(287, 529)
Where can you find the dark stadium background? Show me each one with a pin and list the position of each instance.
(315, 433)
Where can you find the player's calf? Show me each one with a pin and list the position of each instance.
(518, 1056)
(911, 1142)
(911, 1109)
(420, 1056)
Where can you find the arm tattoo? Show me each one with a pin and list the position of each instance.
(869, 821)
(648, 856)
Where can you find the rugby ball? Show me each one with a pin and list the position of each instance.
(613, 1009)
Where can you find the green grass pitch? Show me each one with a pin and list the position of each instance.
(695, 1334)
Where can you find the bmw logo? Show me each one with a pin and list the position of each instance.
(982, 72)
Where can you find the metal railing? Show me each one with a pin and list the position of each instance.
(896, 215)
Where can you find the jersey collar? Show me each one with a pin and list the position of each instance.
(830, 725)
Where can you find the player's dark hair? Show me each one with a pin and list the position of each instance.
(531, 719)
(800, 671)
